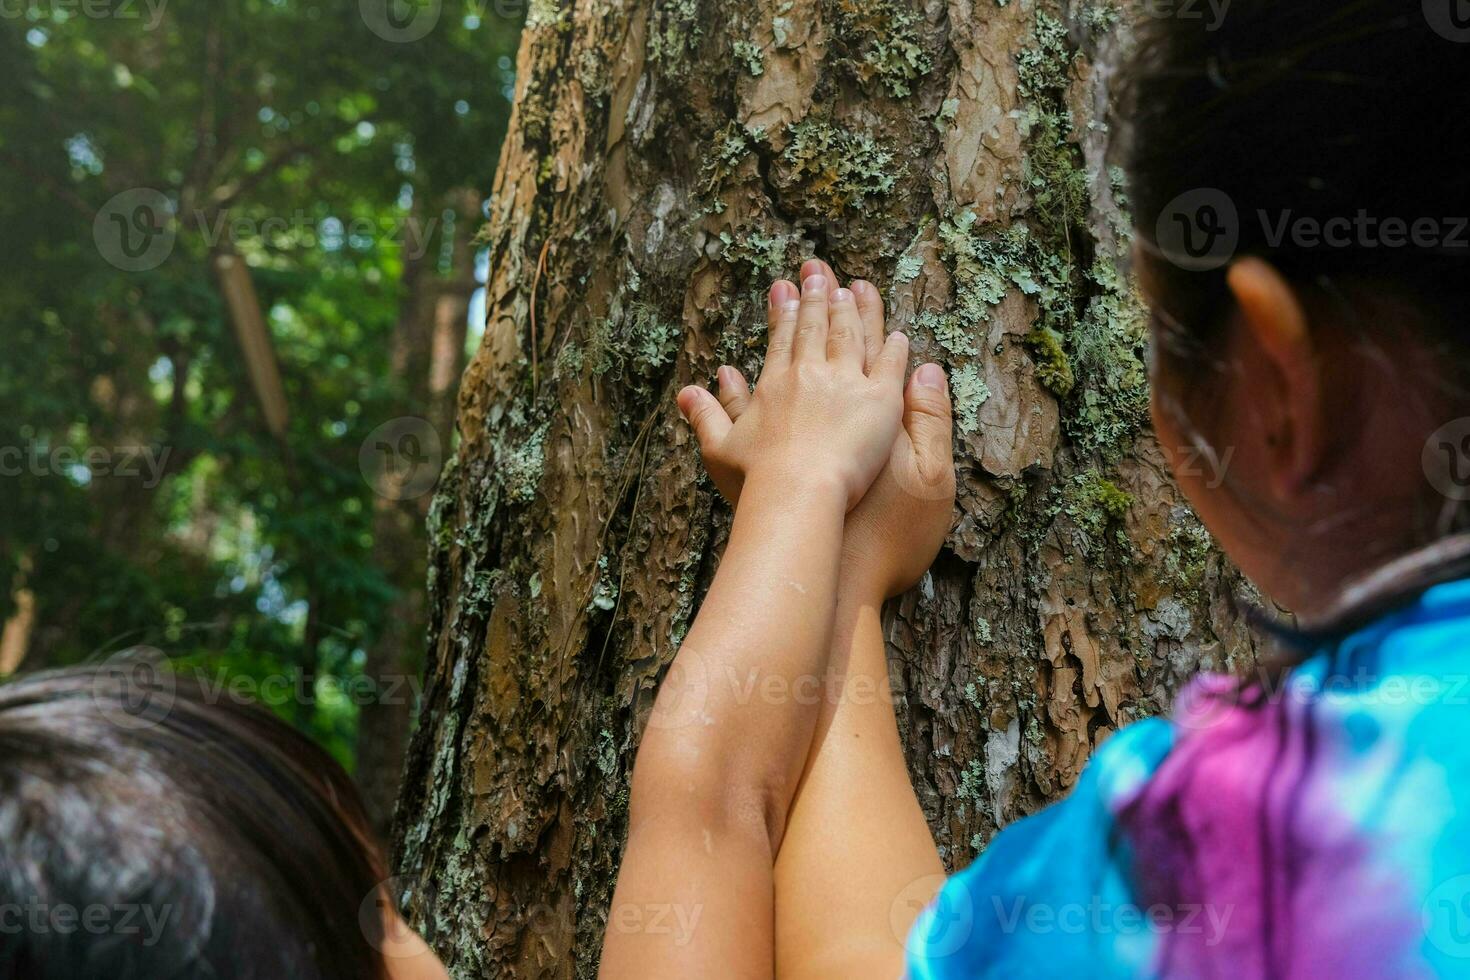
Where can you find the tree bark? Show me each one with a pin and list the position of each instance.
(666, 160)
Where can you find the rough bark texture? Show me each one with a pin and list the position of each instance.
(667, 159)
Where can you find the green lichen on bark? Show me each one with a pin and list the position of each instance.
(1053, 369)
(969, 392)
(1089, 335)
(881, 41)
(674, 33)
(987, 262)
(1092, 349)
(1096, 504)
(749, 54)
(520, 456)
(766, 253)
(633, 346)
(828, 169)
(730, 147)
(1187, 557)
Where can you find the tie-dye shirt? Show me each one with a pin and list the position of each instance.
(1319, 827)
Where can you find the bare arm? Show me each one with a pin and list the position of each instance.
(858, 863)
(721, 756)
(730, 733)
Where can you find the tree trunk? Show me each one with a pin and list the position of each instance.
(667, 159)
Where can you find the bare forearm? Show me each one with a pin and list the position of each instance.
(743, 692)
(858, 861)
(725, 746)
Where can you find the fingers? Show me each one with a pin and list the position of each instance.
(869, 303)
(781, 316)
(811, 321)
(845, 330)
(893, 361)
(870, 308)
(734, 392)
(816, 267)
(706, 416)
(928, 418)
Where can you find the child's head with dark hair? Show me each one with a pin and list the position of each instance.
(1300, 178)
(146, 833)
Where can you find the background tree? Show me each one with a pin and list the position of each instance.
(665, 161)
(238, 239)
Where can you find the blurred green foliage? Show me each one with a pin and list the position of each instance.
(314, 143)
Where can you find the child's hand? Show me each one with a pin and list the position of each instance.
(892, 536)
(815, 416)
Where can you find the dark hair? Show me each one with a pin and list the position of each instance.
(147, 833)
(1297, 113)
(1320, 109)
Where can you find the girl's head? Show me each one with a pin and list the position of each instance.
(145, 833)
(1300, 177)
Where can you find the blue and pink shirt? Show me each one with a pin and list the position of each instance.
(1316, 827)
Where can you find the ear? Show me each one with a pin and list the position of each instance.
(1291, 391)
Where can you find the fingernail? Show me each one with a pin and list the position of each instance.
(929, 376)
(842, 296)
(779, 291)
(726, 376)
(814, 284)
(860, 286)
